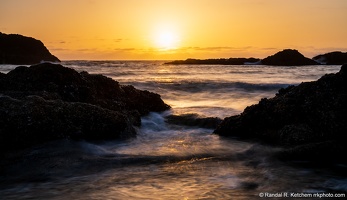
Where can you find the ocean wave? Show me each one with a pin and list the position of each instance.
(197, 86)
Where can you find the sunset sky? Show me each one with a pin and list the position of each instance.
(178, 29)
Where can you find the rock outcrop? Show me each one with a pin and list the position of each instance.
(288, 57)
(309, 117)
(48, 101)
(21, 50)
(194, 120)
(332, 58)
(221, 61)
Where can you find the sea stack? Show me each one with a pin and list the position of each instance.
(332, 58)
(288, 57)
(20, 50)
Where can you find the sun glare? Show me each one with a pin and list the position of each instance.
(166, 40)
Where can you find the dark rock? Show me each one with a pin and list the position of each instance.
(52, 81)
(310, 113)
(194, 120)
(296, 134)
(221, 61)
(343, 70)
(34, 120)
(288, 57)
(332, 58)
(325, 153)
(48, 101)
(18, 49)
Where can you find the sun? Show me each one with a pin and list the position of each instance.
(166, 40)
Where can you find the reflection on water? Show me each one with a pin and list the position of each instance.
(163, 162)
(168, 161)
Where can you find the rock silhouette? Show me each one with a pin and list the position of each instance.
(193, 120)
(48, 101)
(305, 117)
(332, 58)
(221, 61)
(288, 57)
(21, 50)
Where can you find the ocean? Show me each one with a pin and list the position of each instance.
(167, 161)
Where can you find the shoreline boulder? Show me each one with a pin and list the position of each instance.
(307, 114)
(192, 119)
(34, 120)
(47, 101)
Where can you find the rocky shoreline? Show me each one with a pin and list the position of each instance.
(309, 120)
(47, 102)
(287, 57)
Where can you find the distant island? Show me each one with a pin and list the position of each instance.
(218, 61)
(21, 50)
(332, 58)
(287, 57)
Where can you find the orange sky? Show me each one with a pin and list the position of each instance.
(178, 29)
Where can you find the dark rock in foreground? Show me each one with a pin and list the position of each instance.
(311, 118)
(34, 120)
(221, 61)
(46, 102)
(18, 49)
(288, 57)
(194, 120)
(332, 58)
